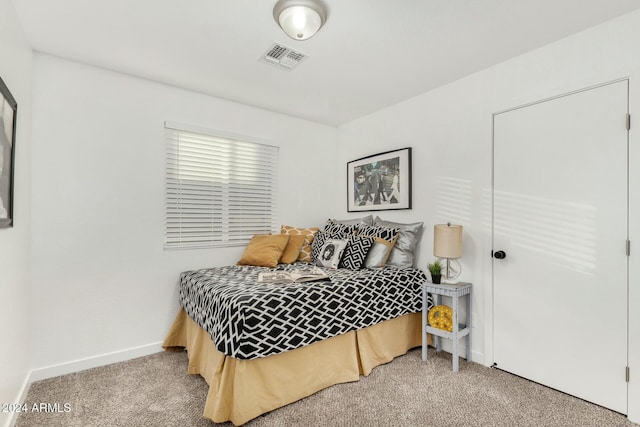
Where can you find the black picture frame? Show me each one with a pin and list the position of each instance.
(8, 120)
(380, 182)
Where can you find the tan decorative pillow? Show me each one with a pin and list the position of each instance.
(264, 250)
(292, 250)
(308, 233)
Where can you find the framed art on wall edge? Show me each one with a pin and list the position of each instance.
(8, 113)
(380, 182)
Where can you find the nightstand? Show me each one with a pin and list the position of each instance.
(460, 330)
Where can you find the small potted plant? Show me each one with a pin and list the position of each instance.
(435, 268)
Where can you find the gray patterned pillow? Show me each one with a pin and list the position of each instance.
(403, 252)
(385, 238)
(356, 252)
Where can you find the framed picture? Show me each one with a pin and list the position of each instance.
(380, 182)
(8, 113)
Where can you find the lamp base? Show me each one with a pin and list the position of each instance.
(451, 271)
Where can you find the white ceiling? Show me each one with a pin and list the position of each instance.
(369, 55)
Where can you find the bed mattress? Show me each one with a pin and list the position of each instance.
(249, 320)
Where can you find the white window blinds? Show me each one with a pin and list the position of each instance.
(219, 191)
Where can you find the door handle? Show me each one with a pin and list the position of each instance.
(498, 254)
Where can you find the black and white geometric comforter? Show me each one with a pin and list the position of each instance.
(248, 320)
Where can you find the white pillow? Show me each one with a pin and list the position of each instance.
(331, 253)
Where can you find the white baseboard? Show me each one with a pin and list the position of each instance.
(94, 362)
(76, 366)
(22, 395)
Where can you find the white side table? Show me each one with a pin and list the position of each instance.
(460, 330)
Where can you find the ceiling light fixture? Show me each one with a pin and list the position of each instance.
(300, 19)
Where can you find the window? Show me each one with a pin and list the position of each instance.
(220, 190)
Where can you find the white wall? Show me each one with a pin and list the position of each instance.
(98, 176)
(450, 131)
(15, 70)
(102, 282)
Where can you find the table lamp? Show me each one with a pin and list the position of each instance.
(447, 245)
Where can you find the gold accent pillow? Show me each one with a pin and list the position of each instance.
(292, 250)
(308, 233)
(264, 250)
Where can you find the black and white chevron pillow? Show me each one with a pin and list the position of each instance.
(332, 230)
(356, 252)
(337, 230)
(385, 238)
(317, 244)
(388, 234)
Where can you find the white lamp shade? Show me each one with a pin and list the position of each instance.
(300, 19)
(447, 241)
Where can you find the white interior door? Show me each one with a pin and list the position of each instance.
(560, 216)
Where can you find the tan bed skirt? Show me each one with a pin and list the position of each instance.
(240, 390)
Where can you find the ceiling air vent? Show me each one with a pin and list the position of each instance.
(282, 56)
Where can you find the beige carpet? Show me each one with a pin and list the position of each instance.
(156, 391)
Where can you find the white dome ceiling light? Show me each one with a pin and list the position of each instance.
(300, 19)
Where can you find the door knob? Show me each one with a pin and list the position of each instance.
(499, 254)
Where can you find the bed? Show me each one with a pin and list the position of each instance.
(262, 346)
